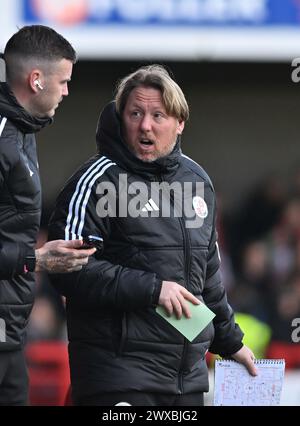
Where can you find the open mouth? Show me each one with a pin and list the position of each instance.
(146, 143)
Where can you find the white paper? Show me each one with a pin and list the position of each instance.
(235, 386)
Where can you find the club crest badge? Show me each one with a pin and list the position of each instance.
(200, 207)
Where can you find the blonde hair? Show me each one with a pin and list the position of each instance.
(157, 77)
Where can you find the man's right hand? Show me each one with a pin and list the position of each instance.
(62, 256)
(173, 298)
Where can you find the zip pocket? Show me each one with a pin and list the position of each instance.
(123, 334)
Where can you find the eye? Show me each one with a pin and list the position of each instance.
(136, 114)
(158, 115)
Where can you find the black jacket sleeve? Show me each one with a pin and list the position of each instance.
(103, 284)
(12, 254)
(228, 335)
(100, 283)
(12, 259)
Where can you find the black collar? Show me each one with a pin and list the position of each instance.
(10, 108)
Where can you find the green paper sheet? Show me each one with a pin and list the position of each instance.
(189, 327)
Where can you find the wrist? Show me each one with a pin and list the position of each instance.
(38, 260)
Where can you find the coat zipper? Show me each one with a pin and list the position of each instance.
(187, 257)
(123, 334)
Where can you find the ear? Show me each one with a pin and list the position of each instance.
(180, 127)
(34, 75)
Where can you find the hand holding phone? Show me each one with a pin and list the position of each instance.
(92, 241)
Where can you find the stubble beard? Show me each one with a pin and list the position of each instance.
(155, 156)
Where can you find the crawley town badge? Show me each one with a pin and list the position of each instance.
(200, 207)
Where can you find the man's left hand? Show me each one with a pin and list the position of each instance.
(246, 357)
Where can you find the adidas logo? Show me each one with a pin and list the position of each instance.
(30, 171)
(150, 206)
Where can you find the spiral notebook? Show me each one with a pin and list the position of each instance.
(235, 386)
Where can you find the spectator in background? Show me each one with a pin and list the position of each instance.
(257, 216)
(285, 311)
(268, 284)
(251, 294)
(39, 64)
(120, 349)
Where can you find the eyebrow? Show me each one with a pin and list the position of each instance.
(136, 105)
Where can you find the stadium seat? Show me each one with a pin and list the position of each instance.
(49, 376)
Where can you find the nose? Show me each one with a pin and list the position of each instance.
(65, 90)
(146, 123)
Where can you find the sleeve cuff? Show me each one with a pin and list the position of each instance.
(233, 350)
(156, 292)
(24, 251)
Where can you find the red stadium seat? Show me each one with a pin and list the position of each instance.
(288, 351)
(49, 374)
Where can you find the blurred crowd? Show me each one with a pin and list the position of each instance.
(260, 249)
(259, 243)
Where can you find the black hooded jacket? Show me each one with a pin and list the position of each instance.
(118, 342)
(20, 207)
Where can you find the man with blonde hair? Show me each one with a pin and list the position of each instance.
(155, 210)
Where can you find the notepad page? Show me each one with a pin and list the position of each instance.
(235, 386)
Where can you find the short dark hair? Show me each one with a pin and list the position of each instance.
(40, 42)
(35, 42)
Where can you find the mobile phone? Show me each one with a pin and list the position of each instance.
(92, 241)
